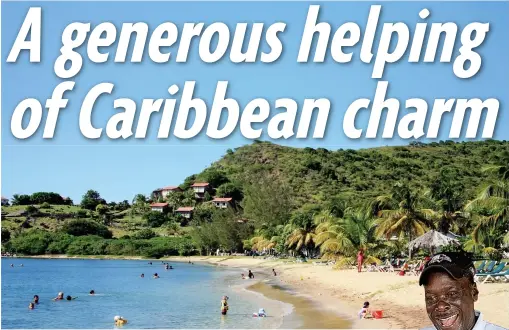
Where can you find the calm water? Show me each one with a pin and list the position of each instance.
(185, 297)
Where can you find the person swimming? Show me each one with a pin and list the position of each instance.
(224, 305)
(119, 320)
(60, 296)
(70, 298)
(156, 276)
(31, 305)
(92, 292)
(243, 276)
(36, 299)
(167, 267)
(142, 275)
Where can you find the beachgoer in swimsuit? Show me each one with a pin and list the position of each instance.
(224, 305)
(36, 299)
(31, 305)
(273, 271)
(250, 274)
(92, 292)
(364, 310)
(142, 275)
(360, 260)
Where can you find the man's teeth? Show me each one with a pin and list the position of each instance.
(448, 321)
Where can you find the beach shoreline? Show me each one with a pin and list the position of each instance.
(344, 291)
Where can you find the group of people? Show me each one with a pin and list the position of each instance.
(60, 296)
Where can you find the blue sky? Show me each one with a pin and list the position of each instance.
(70, 164)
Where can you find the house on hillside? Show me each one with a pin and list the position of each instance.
(5, 201)
(164, 192)
(223, 203)
(186, 212)
(159, 207)
(200, 188)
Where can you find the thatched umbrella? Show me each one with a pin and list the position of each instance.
(431, 240)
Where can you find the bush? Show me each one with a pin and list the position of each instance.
(45, 205)
(144, 234)
(155, 219)
(31, 242)
(6, 235)
(87, 245)
(60, 243)
(81, 227)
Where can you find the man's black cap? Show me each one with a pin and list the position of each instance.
(456, 264)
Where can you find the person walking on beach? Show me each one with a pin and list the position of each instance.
(360, 260)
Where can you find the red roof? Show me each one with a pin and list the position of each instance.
(200, 184)
(158, 189)
(221, 199)
(171, 188)
(158, 204)
(185, 209)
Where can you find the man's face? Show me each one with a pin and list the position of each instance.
(450, 302)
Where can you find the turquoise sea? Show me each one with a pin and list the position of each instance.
(187, 296)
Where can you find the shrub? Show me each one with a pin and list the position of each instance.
(45, 205)
(144, 234)
(81, 227)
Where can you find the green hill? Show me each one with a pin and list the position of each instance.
(320, 176)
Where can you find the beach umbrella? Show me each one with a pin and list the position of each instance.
(432, 240)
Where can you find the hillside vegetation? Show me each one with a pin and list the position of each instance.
(304, 200)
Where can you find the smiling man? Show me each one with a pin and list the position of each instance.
(450, 293)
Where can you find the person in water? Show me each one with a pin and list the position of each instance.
(250, 274)
(156, 276)
(243, 276)
(31, 305)
(70, 298)
(36, 299)
(364, 310)
(92, 292)
(60, 296)
(274, 272)
(119, 320)
(261, 313)
(224, 305)
(142, 275)
(171, 267)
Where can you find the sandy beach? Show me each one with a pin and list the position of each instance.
(343, 291)
(337, 295)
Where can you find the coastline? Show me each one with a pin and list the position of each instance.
(341, 292)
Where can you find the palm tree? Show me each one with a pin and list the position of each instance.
(401, 212)
(342, 238)
(446, 195)
(491, 207)
(302, 233)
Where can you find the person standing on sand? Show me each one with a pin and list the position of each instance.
(360, 260)
(450, 293)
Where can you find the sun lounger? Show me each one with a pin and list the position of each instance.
(503, 276)
(488, 268)
(497, 270)
(481, 267)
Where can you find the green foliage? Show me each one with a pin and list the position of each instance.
(144, 234)
(230, 189)
(45, 205)
(102, 209)
(31, 242)
(39, 198)
(6, 235)
(32, 210)
(155, 219)
(213, 176)
(87, 245)
(81, 227)
(91, 199)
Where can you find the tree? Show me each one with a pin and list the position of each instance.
(91, 199)
(401, 212)
(6, 235)
(21, 200)
(302, 236)
(155, 219)
(215, 177)
(447, 193)
(267, 201)
(230, 189)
